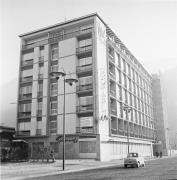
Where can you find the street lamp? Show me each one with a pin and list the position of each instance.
(127, 109)
(70, 81)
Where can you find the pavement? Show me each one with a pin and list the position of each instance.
(31, 169)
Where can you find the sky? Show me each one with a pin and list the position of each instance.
(147, 27)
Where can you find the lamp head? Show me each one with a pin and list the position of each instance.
(70, 81)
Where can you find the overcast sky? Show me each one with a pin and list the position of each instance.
(147, 27)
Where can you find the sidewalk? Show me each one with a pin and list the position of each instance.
(23, 170)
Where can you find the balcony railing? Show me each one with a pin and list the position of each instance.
(23, 115)
(25, 96)
(27, 63)
(84, 49)
(53, 111)
(84, 87)
(85, 130)
(84, 69)
(85, 108)
(26, 79)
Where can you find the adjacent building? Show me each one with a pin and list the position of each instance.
(160, 117)
(109, 77)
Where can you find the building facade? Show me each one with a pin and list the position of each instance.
(109, 77)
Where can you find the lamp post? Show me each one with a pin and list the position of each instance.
(70, 81)
(127, 110)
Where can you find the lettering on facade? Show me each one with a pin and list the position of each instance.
(103, 87)
(68, 139)
(101, 34)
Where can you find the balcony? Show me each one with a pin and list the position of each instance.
(23, 97)
(84, 51)
(84, 88)
(84, 70)
(85, 130)
(24, 115)
(84, 33)
(87, 108)
(27, 63)
(26, 79)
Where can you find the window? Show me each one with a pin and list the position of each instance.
(53, 127)
(54, 68)
(53, 89)
(40, 87)
(23, 126)
(39, 128)
(54, 52)
(87, 147)
(53, 107)
(41, 69)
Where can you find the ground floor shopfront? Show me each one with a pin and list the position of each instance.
(89, 146)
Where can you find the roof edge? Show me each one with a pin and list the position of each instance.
(62, 23)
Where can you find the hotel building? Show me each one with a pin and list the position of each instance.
(109, 77)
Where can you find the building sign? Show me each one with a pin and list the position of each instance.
(68, 138)
(102, 78)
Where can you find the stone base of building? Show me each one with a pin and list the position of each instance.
(89, 147)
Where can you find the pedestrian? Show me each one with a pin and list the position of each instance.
(157, 154)
(160, 154)
(52, 155)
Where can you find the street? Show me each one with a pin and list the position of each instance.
(156, 169)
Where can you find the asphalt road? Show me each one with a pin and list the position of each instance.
(160, 169)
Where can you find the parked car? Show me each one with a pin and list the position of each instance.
(133, 159)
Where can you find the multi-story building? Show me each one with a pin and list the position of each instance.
(109, 77)
(160, 117)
